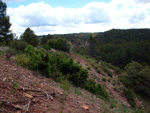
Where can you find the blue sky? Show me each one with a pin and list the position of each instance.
(54, 3)
(74, 16)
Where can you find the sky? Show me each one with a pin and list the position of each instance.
(75, 16)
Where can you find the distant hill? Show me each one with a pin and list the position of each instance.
(118, 46)
(120, 35)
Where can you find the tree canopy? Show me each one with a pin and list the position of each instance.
(137, 78)
(119, 47)
(5, 34)
(30, 37)
(44, 39)
(92, 46)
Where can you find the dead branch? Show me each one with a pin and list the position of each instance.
(48, 95)
(51, 97)
(56, 90)
(24, 89)
(38, 95)
(11, 105)
(33, 90)
(28, 105)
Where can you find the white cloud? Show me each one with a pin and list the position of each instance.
(142, 1)
(95, 13)
(128, 13)
(93, 17)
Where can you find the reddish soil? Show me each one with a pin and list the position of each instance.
(44, 95)
(113, 90)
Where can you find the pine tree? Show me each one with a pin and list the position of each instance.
(5, 34)
(92, 46)
(30, 37)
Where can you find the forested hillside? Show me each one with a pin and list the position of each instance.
(120, 47)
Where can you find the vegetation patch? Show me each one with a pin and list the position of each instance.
(96, 89)
(137, 78)
(77, 92)
(18, 45)
(107, 71)
(58, 44)
(23, 60)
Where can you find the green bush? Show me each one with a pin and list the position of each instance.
(23, 60)
(92, 63)
(57, 66)
(125, 81)
(96, 89)
(101, 91)
(129, 93)
(107, 71)
(136, 79)
(139, 111)
(91, 86)
(45, 47)
(96, 66)
(73, 71)
(80, 50)
(58, 44)
(89, 67)
(18, 45)
(39, 60)
(139, 78)
(44, 39)
(104, 79)
(2, 53)
(9, 53)
(98, 70)
(116, 69)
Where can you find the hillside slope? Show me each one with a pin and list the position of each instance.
(113, 90)
(22, 90)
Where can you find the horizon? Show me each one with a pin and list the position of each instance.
(68, 17)
(98, 32)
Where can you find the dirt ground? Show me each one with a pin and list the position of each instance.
(25, 91)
